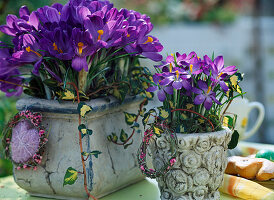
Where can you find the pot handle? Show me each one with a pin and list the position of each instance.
(259, 120)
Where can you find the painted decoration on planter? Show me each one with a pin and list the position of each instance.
(25, 139)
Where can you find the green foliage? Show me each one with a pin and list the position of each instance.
(94, 153)
(130, 118)
(234, 140)
(123, 136)
(70, 176)
(7, 109)
(83, 109)
(84, 130)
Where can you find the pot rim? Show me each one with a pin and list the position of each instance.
(215, 133)
(68, 107)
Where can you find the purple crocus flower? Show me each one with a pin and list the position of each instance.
(205, 95)
(163, 89)
(25, 23)
(58, 43)
(178, 78)
(195, 66)
(218, 71)
(30, 53)
(82, 42)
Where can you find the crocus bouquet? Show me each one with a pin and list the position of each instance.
(186, 134)
(194, 92)
(87, 42)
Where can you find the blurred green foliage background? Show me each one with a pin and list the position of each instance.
(7, 109)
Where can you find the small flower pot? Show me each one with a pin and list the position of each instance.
(114, 169)
(199, 168)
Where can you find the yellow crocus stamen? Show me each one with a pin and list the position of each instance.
(80, 47)
(100, 32)
(198, 57)
(209, 89)
(220, 75)
(172, 55)
(149, 39)
(177, 74)
(59, 13)
(55, 47)
(28, 49)
(128, 35)
(170, 67)
(191, 68)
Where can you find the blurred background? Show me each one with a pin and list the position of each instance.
(240, 30)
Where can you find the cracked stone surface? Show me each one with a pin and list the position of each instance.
(114, 169)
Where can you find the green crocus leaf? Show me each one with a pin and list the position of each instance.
(51, 83)
(234, 140)
(130, 118)
(70, 176)
(83, 109)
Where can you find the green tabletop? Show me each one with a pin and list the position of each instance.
(144, 190)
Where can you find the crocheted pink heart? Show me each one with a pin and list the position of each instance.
(24, 142)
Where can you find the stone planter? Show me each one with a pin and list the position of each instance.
(199, 167)
(114, 169)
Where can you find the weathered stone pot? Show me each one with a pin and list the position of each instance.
(199, 168)
(114, 169)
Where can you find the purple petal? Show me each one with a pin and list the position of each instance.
(169, 90)
(208, 103)
(83, 13)
(161, 95)
(166, 81)
(24, 11)
(37, 66)
(214, 99)
(33, 20)
(152, 89)
(177, 85)
(219, 62)
(186, 85)
(223, 86)
(199, 99)
(197, 91)
(207, 60)
(53, 15)
(156, 78)
(7, 30)
(230, 70)
(153, 56)
(169, 59)
(202, 85)
(10, 20)
(79, 63)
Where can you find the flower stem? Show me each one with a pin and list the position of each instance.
(81, 145)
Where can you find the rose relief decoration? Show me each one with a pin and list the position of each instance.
(199, 167)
